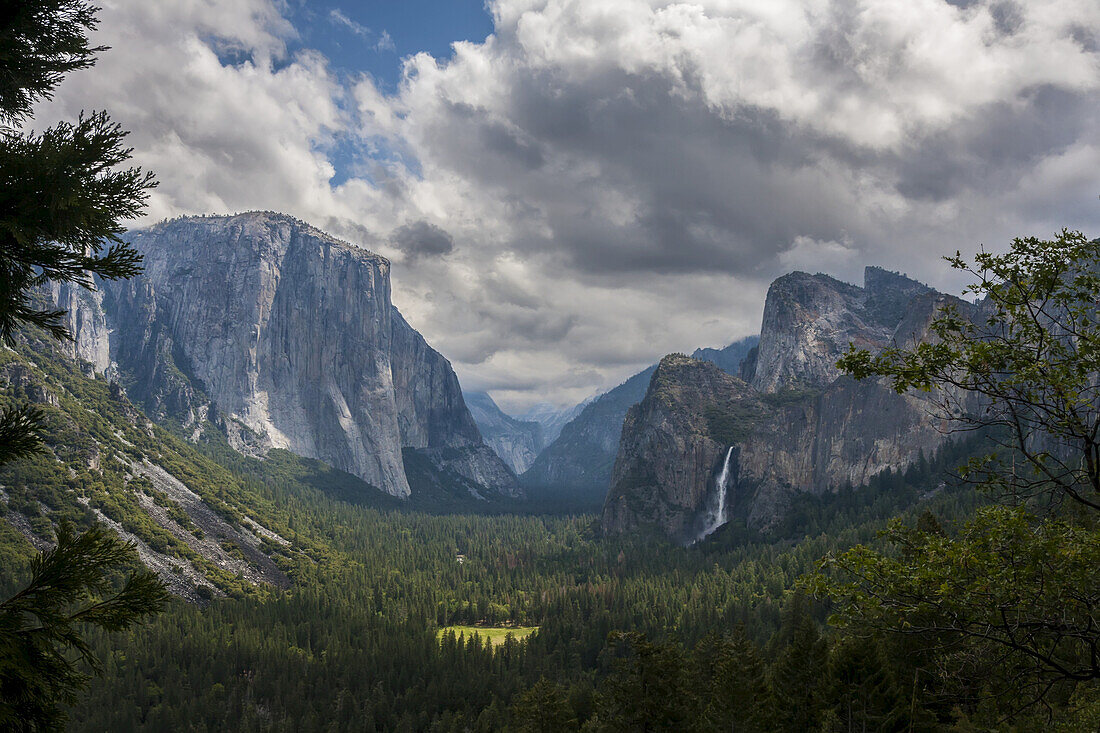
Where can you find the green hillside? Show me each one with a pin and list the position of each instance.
(331, 614)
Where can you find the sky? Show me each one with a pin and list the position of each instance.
(569, 189)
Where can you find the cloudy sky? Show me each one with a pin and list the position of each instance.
(569, 189)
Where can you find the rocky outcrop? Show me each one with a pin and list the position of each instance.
(582, 456)
(285, 337)
(673, 444)
(797, 426)
(809, 321)
(731, 357)
(517, 442)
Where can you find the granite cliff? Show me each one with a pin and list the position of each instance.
(672, 443)
(433, 419)
(582, 456)
(283, 337)
(793, 422)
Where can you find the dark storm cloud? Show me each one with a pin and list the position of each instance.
(630, 144)
(498, 139)
(992, 151)
(1007, 17)
(730, 191)
(713, 193)
(422, 239)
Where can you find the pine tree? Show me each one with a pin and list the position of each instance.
(797, 677)
(864, 694)
(62, 197)
(544, 708)
(70, 587)
(62, 202)
(646, 690)
(733, 675)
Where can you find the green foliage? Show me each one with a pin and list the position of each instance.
(70, 587)
(1025, 361)
(732, 422)
(42, 41)
(62, 197)
(543, 708)
(359, 632)
(20, 432)
(1004, 610)
(646, 689)
(1006, 586)
(862, 685)
(493, 635)
(355, 638)
(730, 677)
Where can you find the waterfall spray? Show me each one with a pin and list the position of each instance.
(716, 513)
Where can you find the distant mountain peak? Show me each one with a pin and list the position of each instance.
(517, 442)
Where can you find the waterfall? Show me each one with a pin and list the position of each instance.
(716, 513)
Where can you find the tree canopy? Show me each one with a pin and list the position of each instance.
(63, 199)
(1013, 596)
(63, 195)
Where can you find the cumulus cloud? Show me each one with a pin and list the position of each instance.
(213, 105)
(602, 181)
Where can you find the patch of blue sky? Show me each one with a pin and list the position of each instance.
(372, 160)
(229, 54)
(375, 36)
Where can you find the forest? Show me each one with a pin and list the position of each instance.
(632, 635)
(960, 593)
(746, 631)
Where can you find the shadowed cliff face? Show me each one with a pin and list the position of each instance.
(433, 417)
(673, 444)
(584, 452)
(583, 456)
(517, 442)
(798, 426)
(285, 337)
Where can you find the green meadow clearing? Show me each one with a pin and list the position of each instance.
(495, 635)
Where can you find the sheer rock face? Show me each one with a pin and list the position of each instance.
(799, 426)
(669, 453)
(433, 417)
(85, 320)
(809, 320)
(583, 454)
(517, 442)
(284, 337)
(286, 330)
